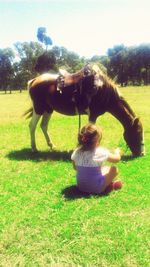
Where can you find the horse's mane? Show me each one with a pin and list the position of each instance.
(113, 87)
(127, 106)
(110, 83)
(104, 77)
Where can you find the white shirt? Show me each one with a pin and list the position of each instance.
(89, 158)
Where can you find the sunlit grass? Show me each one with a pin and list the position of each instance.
(44, 220)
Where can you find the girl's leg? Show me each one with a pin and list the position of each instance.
(110, 173)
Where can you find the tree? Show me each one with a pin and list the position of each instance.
(115, 50)
(43, 38)
(116, 66)
(143, 52)
(59, 57)
(101, 61)
(6, 68)
(28, 54)
(46, 62)
(67, 59)
(130, 64)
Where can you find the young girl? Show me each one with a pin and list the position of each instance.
(88, 158)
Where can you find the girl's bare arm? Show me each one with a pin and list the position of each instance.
(74, 166)
(114, 157)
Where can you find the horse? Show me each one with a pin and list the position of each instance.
(88, 91)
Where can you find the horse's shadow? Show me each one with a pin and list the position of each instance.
(27, 154)
(128, 158)
(55, 155)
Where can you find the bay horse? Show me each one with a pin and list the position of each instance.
(89, 91)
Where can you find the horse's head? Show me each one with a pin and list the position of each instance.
(134, 136)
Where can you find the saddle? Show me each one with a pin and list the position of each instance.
(84, 89)
(66, 79)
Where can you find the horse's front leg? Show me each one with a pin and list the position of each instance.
(32, 127)
(91, 118)
(44, 126)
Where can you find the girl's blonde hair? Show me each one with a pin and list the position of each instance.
(89, 137)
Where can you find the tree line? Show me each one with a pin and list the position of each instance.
(127, 65)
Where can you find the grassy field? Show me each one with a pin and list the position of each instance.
(44, 220)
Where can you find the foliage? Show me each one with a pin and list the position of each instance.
(43, 38)
(45, 62)
(130, 64)
(127, 65)
(18, 66)
(68, 59)
(58, 57)
(6, 67)
(101, 61)
(28, 54)
(44, 220)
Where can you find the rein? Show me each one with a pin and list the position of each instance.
(80, 93)
(87, 71)
(61, 84)
(79, 125)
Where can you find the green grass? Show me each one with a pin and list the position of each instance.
(44, 220)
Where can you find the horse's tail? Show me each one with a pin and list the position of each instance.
(28, 113)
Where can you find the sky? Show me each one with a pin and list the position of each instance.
(87, 27)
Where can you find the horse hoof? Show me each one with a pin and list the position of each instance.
(34, 150)
(52, 146)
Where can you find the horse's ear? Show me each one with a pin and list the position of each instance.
(98, 81)
(136, 120)
(63, 72)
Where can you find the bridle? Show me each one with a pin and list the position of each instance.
(141, 146)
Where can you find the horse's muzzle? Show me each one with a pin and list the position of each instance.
(139, 153)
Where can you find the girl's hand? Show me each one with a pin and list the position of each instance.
(117, 151)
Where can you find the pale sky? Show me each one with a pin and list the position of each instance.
(87, 27)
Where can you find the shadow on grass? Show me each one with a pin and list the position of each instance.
(128, 158)
(27, 154)
(55, 155)
(72, 192)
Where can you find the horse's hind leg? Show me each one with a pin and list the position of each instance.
(44, 126)
(32, 127)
